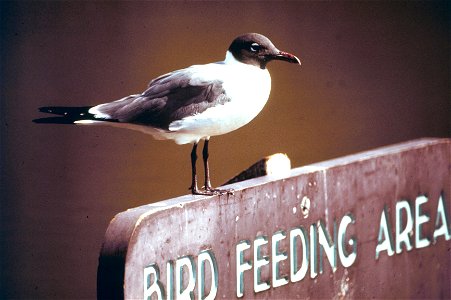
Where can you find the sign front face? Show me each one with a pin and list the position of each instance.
(374, 224)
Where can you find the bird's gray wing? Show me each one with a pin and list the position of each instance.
(168, 98)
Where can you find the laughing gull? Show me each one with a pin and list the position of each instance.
(192, 104)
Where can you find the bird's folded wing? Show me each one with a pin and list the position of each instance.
(168, 98)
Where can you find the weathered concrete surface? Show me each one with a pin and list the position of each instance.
(361, 185)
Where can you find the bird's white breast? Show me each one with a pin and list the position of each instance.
(248, 88)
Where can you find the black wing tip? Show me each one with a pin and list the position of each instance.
(68, 115)
(65, 114)
(64, 110)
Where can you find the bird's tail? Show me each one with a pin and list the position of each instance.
(65, 115)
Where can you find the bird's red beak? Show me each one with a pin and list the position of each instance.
(285, 56)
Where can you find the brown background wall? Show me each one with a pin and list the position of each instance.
(373, 73)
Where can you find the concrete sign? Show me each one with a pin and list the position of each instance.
(374, 224)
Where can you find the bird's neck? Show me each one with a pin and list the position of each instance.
(231, 60)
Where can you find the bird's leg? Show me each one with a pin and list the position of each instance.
(207, 186)
(194, 189)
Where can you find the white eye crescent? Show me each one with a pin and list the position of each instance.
(255, 47)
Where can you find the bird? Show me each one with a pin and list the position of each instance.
(191, 104)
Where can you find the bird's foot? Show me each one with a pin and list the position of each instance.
(219, 191)
(209, 191)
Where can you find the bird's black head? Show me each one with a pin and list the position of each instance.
(256, 49)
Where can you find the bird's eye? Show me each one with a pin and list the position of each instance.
(255, 47)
